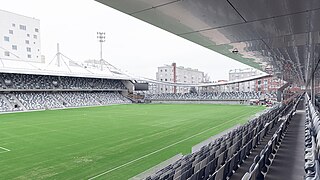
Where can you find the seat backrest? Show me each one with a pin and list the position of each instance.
(246, 176)
(220, 173)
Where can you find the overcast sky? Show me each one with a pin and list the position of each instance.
(131, 45)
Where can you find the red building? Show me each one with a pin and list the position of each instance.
(272, 84)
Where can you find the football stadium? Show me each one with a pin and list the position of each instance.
(67, 120)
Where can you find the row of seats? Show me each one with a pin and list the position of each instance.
(211, 96)
(312, 142)
(3, 105)
(29, 81)
(263, 160)
(37, 100)
(76, 99)
(53, 100)
(221, 158)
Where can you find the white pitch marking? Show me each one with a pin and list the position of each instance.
(142, 157)
(6, 150)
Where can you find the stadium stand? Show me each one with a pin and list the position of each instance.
(3, 106)
(221, 158)
(54, 100)
(13, 101)
(21, 92)
(210, 96)
(312, 142)
(31, 92)
(75, 99)
(45, 82)
(263, 158)
(110, 98)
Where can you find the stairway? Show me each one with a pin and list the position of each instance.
(289, 160)
(244, 167)
(16, 100)
(7, 101)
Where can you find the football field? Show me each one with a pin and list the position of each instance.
(107, 142)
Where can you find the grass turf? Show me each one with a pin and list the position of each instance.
(81, 143)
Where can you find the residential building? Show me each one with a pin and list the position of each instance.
(19, 37)
(238, 74)
(177, 74)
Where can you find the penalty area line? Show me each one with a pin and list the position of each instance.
(154, 152)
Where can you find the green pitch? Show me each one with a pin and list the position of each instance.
(119, 141)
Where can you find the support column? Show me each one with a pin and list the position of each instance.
(313, 90)
(279, 96)
(280, 91)
(174, 77)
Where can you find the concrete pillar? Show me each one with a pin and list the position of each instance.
(279, 96)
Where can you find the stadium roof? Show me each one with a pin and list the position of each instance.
(208, 84)
(65, 68)
(276, 36)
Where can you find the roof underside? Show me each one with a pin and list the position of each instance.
(276, 36)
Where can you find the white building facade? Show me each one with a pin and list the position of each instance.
(237, 74)
(19, 37)
(178, 74)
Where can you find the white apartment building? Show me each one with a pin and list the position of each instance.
(178, 74)
(237, 74)
(19, 37)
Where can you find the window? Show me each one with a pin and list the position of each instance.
(14, 47)
(165, 80)
(27, 42)
(7, 53)
(36, 30)
(165, 70)
(28, 35)
(10, 31)
(23, 27)
(28, 49)
(29, 55)
(6, 38)
(35, 36)
(13, 25)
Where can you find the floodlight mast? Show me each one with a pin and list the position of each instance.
(101, 36)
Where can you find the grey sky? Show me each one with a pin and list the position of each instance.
(131, 45)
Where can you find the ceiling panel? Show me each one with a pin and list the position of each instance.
(287, 40)
(282, 35)
(132, 6)
(199, 38)
(275, 27)
(260, 9)
(158, 18)
(193, 14)
(202, 14)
